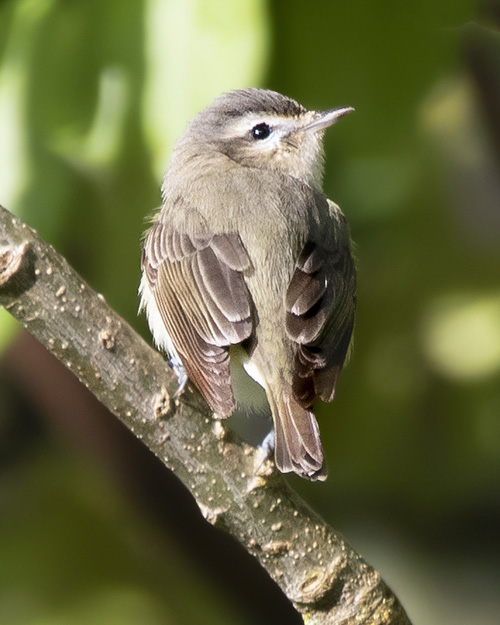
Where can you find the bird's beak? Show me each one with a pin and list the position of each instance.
(323, 119)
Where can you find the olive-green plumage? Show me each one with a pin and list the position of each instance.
(246, 250)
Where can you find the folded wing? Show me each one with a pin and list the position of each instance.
(320, 306)
(200, 292)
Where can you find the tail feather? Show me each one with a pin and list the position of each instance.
(298, 445)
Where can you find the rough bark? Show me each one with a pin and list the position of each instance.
(327, 581)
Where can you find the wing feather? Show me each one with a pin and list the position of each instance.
(200, 291)
(320, 306)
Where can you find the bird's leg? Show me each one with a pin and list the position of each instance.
(265, 450)
(181, 374)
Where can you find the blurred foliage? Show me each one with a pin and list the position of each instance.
(75, 553)
(92, 96)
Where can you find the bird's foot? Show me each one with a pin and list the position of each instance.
(265, 451)
(181, 374)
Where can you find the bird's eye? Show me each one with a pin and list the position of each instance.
(261, 131)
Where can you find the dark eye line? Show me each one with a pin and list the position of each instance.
(261, 131)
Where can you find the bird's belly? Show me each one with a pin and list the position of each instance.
(247, 382)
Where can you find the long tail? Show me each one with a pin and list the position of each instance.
(297, 440)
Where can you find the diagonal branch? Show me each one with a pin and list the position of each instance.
(318, 571)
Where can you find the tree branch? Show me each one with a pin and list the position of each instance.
(327, 581)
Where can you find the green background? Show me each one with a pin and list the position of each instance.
(92, 97)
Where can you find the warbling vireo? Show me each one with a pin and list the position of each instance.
(248, 261)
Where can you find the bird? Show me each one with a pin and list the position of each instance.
(249, 265)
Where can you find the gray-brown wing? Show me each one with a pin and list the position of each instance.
(320, 307)
(204, 303)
